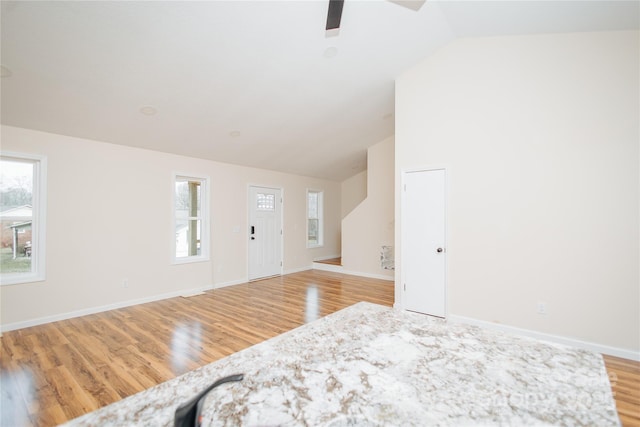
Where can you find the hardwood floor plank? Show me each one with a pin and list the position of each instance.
(55, 372)
(624, 376)
(74, 399)
(52, 415)
(34, 386)
(16, 346)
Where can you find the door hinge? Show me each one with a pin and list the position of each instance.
(281, 232)
(405, 286)
(280, 263)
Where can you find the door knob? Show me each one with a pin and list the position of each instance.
(439, 250)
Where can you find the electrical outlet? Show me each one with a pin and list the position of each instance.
(542, 308)
(125, 283)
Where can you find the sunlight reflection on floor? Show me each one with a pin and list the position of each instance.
(311, 312)
(186, 339)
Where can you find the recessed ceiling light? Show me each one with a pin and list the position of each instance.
(330, 52)
(4, 71)
(234, 134)
(148, 110)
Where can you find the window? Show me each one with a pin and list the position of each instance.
(266, 202)
(22, 217)
(191, 219)
(314, 218)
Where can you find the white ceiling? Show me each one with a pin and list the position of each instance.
(216, 68)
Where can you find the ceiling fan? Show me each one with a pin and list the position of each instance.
(335, 10)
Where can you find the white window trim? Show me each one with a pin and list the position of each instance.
(205, 224)
(320, 218)
(38, 226)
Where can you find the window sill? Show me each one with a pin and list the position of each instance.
(189, 260)
(19, 279)
(314, 246)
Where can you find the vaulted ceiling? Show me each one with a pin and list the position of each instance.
(257, 83)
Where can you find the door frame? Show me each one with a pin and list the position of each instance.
(447, 228)
(248, 224)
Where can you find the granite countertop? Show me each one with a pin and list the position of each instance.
(372, 365)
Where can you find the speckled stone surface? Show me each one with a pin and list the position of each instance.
(372, 365)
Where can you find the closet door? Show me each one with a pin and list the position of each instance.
(423, 242)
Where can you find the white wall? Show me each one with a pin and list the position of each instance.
(109, 218)
(353, 192)
(540, 135)
(371, 224)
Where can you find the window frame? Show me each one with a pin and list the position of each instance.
(204, 218)
(320, 218)
(38, 218)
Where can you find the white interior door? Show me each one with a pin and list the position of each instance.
(423, 242)
(265, 232)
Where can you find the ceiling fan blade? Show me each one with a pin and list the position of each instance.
(334, 14)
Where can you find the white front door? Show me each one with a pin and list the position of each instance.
(423, 242)
(265, 232)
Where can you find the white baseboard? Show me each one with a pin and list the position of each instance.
(328, 267)
(585, 345)
(99, 309)
(598, 348)
(297, 270)
(370, 275)
(327, 257)
(340, 269)
(230, 283)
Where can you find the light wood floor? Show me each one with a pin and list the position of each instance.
(55, 372)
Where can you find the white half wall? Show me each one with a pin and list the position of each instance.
(353, 192)
(371, 224)
(109, 219)
(540, 135)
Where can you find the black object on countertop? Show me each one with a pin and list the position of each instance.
(188, 414)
